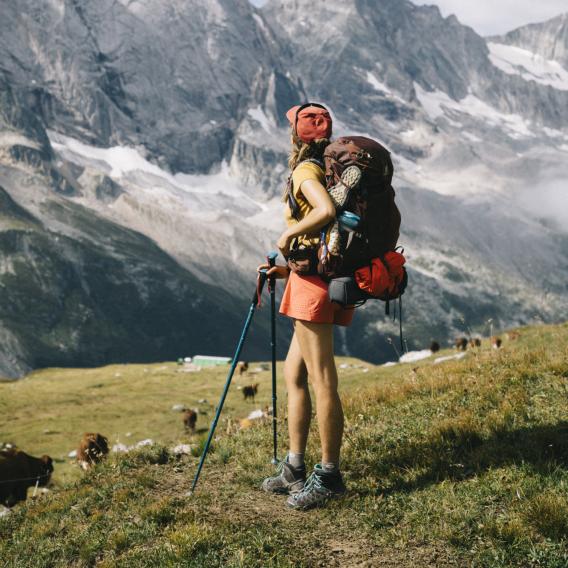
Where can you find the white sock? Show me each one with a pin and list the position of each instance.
(295, 460)
(330, 467)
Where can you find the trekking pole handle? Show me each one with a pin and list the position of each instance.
(271, 258)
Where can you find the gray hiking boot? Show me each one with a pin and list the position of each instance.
(319, 488)
(287, 481)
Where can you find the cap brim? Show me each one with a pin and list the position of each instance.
(291, 114)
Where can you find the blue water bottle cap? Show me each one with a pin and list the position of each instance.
(348, 221)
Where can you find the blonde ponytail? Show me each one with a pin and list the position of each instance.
(302, 151)
(305, 150)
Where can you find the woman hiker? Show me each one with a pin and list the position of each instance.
(306, 301)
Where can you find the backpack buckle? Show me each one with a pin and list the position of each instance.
(362, 154)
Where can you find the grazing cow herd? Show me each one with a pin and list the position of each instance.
(462, 343)
(20, 471)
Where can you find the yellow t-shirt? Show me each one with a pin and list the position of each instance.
(305, 171)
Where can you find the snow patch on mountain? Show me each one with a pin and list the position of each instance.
(9, 139)
(208, 223)
(259, 115)
(438, 104)
(376, 84)
(123, 164)
(530, 66)
(382, 87)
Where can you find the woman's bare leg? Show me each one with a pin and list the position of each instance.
(315, 341)
(299, 402)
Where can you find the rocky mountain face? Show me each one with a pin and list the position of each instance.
(403, 45)
(92, 292)
(81, 290)
(472, 145)
(143, 151)
(548, 39)
(174, 77)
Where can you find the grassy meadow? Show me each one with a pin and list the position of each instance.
(463, 464)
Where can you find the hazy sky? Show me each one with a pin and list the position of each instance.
(489, 17)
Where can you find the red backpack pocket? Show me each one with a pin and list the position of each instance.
(374, 279)
(395, 265)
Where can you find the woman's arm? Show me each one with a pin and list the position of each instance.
(322, 213)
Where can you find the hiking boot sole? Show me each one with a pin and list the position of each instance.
(316, 505)
(351, 177)
(349, 180)
(275, 491)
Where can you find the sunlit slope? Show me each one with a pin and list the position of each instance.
(462, 463)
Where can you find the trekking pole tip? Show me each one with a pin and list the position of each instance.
(274, 461)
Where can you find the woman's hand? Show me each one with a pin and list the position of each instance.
(284, 242)
(277, 271)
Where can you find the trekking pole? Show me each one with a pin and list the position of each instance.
(272, 289)
(255, 303)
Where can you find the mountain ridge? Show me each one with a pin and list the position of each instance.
(548, 39)
(94, 113)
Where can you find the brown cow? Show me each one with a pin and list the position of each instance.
(93, 448)
(18, 471)
(461, 343)
(434, 347)
(475, 342)
(496, 342)
(189, 419)
(250, 391)
(242, 367)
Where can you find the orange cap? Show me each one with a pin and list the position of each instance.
(310, 121)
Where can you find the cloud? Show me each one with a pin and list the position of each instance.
(548, 200)
(488, 17)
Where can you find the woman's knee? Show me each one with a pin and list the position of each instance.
(296, 376)
(324, 382)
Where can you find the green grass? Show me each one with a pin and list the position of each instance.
(48, 411)
(459, 464)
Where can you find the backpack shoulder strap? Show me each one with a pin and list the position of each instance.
(291, 200)
(312, 161)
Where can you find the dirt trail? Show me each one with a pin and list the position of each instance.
(321, 538)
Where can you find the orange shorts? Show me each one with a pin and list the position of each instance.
(305, 298)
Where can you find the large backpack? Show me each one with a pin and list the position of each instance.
(368, 252)
(372, 200)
